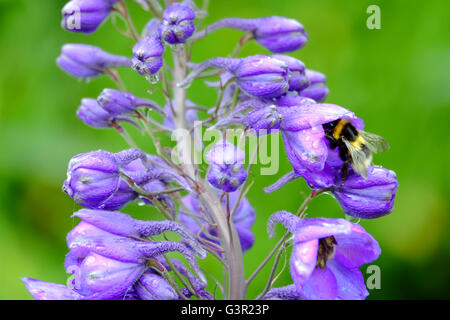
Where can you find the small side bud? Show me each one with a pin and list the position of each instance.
(177, 23)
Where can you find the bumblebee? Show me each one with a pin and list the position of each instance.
(355, 146)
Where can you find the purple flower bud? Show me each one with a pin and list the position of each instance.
(41, 290)
(370, 197)
(84, 15)
(148, 55)
(154, 287)
(121, 224)
(226, 170)
(243, 219)
(85, 61)
(259, 75)
(94, 181)
(284, 293)
(317, 89)
(103, 278)
(277, 34)
(124, 250)
(91, 113)
(119, 103)
(299, 80)
(177, 23)
(326, 256)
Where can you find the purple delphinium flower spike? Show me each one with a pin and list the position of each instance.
(86, 16)
(116, 102)
(299, 79)
(326, 258)
(370, 197)
(258, 75)
(177, 23)
(148, 56)
(226, 171)
(317, 90)
(121, 224)
(277, 34)
(86, 61)
(41, 290)
(243, 219)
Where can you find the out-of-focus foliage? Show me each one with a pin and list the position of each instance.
(396, 78)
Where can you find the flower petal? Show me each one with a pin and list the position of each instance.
(306, 148)
(356, 248)
(309, 115)
(350, 282)
(41, 290)
(321, 285)
(303, 261)
(317, 228)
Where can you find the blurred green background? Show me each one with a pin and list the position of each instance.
(396, 78)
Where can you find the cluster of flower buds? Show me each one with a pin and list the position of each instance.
(110, 259)
(114, 256)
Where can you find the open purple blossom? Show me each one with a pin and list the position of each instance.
(317, 89)
(177, 23)
(243, 219)
(327, 255)
(86, 61)
(86, 16)
(259, 75)
(226, 171)
(277, 34)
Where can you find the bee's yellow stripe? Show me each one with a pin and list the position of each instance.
(338, 129)
(358, 143)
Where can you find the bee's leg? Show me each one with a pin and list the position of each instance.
(344, 171)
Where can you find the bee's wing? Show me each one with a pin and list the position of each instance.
(361, 158)
(374, 142)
